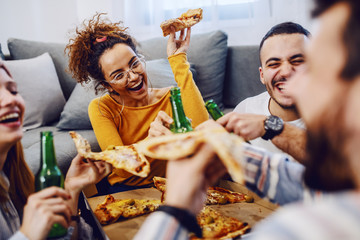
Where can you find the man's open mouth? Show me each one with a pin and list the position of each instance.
(137, 86)
(280, 86)
(12, 117)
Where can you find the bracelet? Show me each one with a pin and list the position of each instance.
(186, 219)
(76, 217)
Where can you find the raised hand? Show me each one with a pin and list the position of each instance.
(43, 209)
(181, 45)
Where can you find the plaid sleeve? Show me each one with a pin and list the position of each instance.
(160, 226)
(273, 176)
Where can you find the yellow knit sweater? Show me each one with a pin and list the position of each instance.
(132, 125)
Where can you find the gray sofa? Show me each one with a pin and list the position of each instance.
(227, 74)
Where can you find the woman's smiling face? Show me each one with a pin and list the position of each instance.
(125, 73)
(12, 109)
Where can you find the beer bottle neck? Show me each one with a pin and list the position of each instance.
(48, 157)
(178, 110)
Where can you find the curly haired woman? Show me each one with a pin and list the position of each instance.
(105, 53)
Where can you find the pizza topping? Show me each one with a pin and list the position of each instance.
(113, 209)
(215, 195)
(214, 225)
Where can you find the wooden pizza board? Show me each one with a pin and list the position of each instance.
(246, 212)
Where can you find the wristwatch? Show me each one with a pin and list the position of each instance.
(273, 126)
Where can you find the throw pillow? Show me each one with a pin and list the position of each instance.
(24, 49)
(75, 113)
(39, 85)
(208, 52)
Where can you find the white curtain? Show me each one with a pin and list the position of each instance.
(245, 21)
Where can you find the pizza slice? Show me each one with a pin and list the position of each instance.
(187, 19)
(120, 157)
(215, 195)
(111, 209)
(228, 147)
(215, 225)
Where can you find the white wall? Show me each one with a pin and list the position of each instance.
(51, 20)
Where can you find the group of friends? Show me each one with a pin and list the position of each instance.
(303, 133)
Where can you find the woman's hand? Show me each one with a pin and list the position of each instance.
(188, 179)
(160, 126)
(181, 45)
(43, 209)
(82, 174)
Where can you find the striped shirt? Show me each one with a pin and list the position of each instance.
(273, 176)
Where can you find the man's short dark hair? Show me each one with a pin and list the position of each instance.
(284, 28)
(351, 34)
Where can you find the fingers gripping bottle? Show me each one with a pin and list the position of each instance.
(181, 123)
(49, 175)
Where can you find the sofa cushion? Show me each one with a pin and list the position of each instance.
(65, 149)
(207, 52)
(39, 85)
(23, 49)
(75, 114)
(242, 75)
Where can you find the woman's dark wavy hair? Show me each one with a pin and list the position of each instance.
(84, 51)
(351, 34)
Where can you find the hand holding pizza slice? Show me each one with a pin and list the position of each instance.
(186, 20)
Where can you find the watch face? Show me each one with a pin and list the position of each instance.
(274, 123)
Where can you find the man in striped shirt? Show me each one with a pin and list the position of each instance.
(327, 95)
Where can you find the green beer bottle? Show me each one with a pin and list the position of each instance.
(213, 109)
(181, 123)
(49, 175)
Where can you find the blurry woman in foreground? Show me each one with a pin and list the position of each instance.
(38, 211)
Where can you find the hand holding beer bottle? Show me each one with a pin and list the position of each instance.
(50, 175)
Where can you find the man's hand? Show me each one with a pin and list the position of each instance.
(43, 209)
(160, 126)
(181, 45)
(248, 126)
(188, 179)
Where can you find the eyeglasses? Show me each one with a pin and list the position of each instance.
(137, 67)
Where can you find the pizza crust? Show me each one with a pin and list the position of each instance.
(120, 157)
(186, 20)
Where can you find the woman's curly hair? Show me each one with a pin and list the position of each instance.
(84, 50)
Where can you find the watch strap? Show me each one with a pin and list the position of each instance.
(186, 219)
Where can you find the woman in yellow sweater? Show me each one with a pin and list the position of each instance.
(105, 53)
